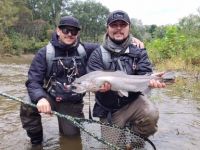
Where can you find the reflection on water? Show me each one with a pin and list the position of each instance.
(179, 124)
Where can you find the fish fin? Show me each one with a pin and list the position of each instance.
(123, 93)
(147, 90)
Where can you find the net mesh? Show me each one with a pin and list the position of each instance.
(115, 138)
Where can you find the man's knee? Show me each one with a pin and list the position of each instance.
(146, 123)
(29, 116)
(153, 115)
(31, 122)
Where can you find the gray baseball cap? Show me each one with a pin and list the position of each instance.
(118, 15)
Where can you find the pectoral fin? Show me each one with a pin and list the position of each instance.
(147, 90)
(123, 93)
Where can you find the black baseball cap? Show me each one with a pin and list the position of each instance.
(118, 15)
(69, 21)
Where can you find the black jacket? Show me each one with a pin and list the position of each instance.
(136, 62)
(38, 69)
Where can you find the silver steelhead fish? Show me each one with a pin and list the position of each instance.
(119, 81)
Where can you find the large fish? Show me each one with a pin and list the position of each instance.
(119, 81)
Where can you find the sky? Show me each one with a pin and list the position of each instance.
(159, 12)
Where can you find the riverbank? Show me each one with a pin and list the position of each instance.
(22, 59)
(165, 65)
(178, 65)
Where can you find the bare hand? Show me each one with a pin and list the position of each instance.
(43, 106)
(156, 84)
(137, 42)
(105, 87)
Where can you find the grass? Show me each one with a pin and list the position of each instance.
(22, 59)
(177, 64)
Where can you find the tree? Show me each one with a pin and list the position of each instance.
(137, 28)
(92, 17)
(47, 10)
(8, 16)
(8, 12)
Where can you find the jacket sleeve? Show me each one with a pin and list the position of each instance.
(95, 61)
(144, 65)
(36, 76)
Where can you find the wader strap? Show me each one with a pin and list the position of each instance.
(106, 57)
(90, 114)
(81, 51)
(109, 117)
(120, 65)
(50, 54)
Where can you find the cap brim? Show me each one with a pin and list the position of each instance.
(62, 25)
(118, 20)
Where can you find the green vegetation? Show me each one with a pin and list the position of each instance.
(26, 26)
(175, 46)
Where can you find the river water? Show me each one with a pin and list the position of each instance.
(178, 128)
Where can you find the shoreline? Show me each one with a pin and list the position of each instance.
(22, 59)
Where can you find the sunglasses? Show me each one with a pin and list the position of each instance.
(73, 32)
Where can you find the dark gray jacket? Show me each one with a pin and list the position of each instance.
(136, 62)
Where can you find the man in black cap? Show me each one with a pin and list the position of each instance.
(135, 110)
(52, 70)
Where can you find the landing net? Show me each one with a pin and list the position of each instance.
(118, 138)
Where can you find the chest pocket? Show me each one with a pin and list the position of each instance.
(64, 72)
(125, 63)
(68, 68)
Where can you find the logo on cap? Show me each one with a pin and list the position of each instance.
(118, 16)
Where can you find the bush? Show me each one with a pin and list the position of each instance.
(5, 43)
(191, 56)
(21, 44)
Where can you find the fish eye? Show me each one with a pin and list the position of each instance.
(77, 83)
(73, 87)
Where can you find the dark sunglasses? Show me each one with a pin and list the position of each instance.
(73, 32)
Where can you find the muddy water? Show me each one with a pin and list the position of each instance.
(179, 124)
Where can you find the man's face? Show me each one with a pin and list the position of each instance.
(67, 34)
(118, 30)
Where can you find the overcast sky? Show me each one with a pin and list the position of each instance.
(159, 12)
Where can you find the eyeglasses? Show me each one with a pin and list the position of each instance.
(73, 32)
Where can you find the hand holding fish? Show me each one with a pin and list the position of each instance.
(105, 87)
(156, 83)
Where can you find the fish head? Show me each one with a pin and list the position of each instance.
(80, 87)
(169, 77)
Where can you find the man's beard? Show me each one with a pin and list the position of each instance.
(118, 42)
